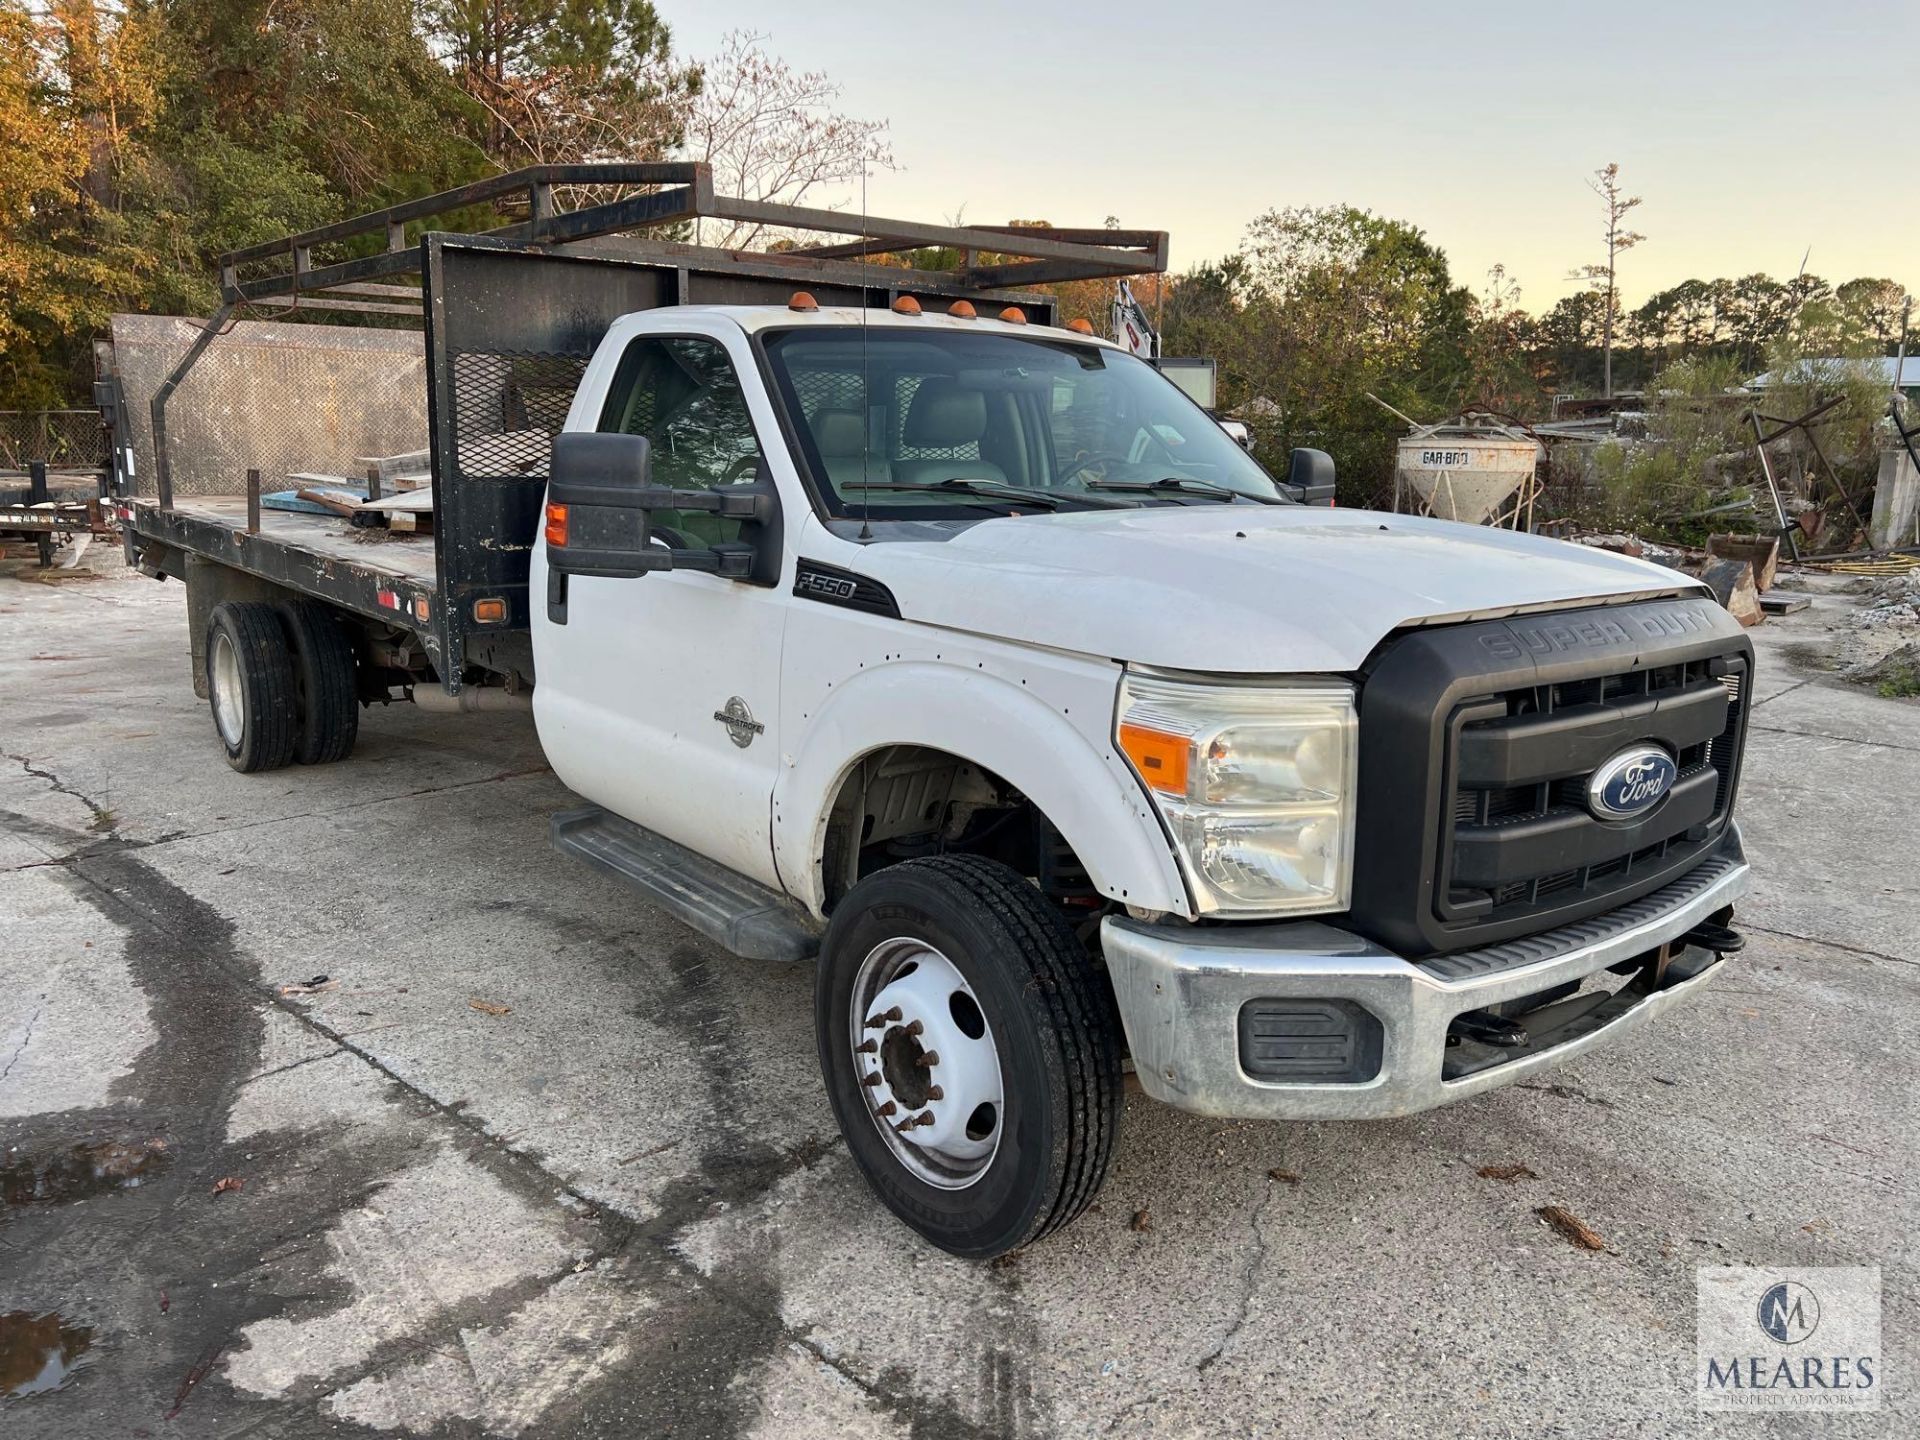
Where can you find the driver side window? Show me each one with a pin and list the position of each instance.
(683, 394)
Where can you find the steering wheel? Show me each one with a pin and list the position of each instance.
(1087, 462)
(676, 539)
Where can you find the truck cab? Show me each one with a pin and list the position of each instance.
(1022, 602)
(964, 656)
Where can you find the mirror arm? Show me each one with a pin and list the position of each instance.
(730, 560)
(741, 502)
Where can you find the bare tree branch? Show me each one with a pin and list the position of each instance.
(770, 134)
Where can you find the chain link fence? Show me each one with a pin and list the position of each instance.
(59, 439)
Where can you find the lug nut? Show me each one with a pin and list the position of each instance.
(934, 1092)
(886, 1109)
(914, 1027)
(928, 1060)
(870, 1080)
(893, 1014)
(925, 1117)
(866, 1047)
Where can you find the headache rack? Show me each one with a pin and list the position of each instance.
(513, 281)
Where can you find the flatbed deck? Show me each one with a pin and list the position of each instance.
(407, 557)
(380, 576)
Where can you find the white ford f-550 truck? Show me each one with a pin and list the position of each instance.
(878, 622)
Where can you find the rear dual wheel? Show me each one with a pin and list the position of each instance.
(327, 682)
(281, 684)
(969, 1052)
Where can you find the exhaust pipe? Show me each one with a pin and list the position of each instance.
(474, 700)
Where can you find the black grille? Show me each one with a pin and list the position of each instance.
(1476, 746)
(1539, 817)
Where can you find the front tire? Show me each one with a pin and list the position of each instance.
(250, 686)
(969, 1052)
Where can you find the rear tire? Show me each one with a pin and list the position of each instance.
(250, 686)
(995, 976)
(326, 683)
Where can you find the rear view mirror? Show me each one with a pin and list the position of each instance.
(1310, 476)
(1198, 377)
(599, 495)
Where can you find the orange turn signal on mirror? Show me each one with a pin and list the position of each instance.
(556, 525)
(1161, 759)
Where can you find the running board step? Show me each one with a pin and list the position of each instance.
(745, 916)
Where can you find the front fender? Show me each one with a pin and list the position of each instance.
(1021, 727)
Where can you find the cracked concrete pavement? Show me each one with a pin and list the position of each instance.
(619, 1208)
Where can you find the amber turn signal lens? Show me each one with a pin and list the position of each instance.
(490, 612)
(801, 300)
(1160, 758)
(961, 310)
(906, 305)
(556, 524)
(1080, 327)
(1014, 315)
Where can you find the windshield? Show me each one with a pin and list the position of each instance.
(885, 419)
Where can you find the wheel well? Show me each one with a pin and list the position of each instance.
(902, 801)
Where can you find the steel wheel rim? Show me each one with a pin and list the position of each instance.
(224, 674)
(934, 1093)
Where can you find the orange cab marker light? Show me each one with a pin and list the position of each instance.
(962, 310)
(491, 611)
(556, 525)
(1080, 327)
(906, 305)
(1160, 758)
(801, 300)
(1014, 315)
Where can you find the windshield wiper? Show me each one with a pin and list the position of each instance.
(1186, 485)
(987, 489)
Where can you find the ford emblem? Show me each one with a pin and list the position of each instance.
(1631, 783)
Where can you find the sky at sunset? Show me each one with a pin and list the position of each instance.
(1752, 130)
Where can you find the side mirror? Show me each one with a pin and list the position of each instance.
(599, 518)
(599, 495)
(1238, 432)
(1310, 476)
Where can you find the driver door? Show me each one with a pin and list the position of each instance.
(658, 697)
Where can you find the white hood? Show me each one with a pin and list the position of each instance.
(1237, 588)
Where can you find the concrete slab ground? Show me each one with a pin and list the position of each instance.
(620, 1208)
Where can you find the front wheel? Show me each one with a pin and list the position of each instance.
(969, 1052)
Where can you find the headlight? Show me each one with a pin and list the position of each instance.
(1256, 782)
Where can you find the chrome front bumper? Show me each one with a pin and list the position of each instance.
(1181, 990)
